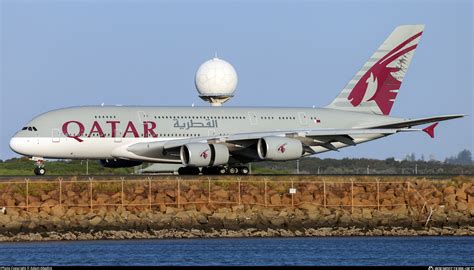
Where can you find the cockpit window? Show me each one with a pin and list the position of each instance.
(30, 128)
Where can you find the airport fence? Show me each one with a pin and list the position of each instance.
(155, 193)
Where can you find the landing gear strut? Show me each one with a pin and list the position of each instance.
(39, 167)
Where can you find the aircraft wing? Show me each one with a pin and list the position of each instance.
(320, 137)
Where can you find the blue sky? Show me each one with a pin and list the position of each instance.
(287, 53)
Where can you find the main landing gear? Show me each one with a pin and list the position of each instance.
(216, 170)
(39, 167)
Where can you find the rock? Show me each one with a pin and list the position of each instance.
(171, 210)
(45, 197)
(450, 200)
(345, 220)
(238, 208)
(139, 190)
(95, 221)
(184, 217)
(275, 199)
(57, 211)
(13, 212)
(366, 213)
(171, 193)
(269, 213)
(13, 225)
(201, 219)
(309, 207)
(221, 194)
(449, 190)
(462, 206)
(204, 210)
(278, 221)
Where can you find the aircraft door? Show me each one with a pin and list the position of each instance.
(118, 136)
(253, 118)
(303, 118)
(55, 135)
(142, 116)
(211, 132)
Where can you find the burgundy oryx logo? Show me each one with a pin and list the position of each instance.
(204, 154)
(282, 148)
(378, 83)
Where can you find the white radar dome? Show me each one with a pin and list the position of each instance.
(216, 81)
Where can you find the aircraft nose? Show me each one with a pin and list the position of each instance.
(15, 145)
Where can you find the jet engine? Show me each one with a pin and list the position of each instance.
(279, 148)
(119, 163)
(203, 154)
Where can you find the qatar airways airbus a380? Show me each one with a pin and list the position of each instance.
(220, 140)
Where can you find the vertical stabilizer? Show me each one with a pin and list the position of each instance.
(375, 87)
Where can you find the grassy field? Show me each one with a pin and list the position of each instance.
(24, 166)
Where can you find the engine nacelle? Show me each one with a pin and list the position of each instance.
(119, 163)
(279, 148)
(203, 154)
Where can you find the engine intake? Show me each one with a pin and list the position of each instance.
(202, 154)
(279, 148)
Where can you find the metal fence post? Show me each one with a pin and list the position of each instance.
(265, 198)
(60, 191)
(121, 178)
(27, 193)
(208, 190)
(238, 179)
(324, 192)
(408, 192)
(352, 196)
(90, 192)
(149, 191)
(378, 194)
(292, 195)
(179, 192)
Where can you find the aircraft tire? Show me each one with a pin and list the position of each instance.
(233, 170)
(244, 170)
(40, 171)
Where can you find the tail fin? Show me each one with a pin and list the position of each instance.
(375, 87)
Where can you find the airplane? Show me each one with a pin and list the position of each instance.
(220, 140)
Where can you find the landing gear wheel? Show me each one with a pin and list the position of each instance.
(40, 171)
(233, 170)
(244, 170)
(222, 170)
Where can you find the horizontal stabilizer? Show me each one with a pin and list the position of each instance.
(430, 129)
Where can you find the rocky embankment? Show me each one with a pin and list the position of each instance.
(199, 208)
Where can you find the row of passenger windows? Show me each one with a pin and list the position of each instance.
(105, 116)
(141, 135)
(204, 117)
(200, 117)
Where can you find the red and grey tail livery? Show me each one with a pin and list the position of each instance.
(375, 86)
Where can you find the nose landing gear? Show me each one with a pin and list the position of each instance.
(39, 167)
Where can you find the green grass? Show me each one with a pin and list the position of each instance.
(25, 167)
